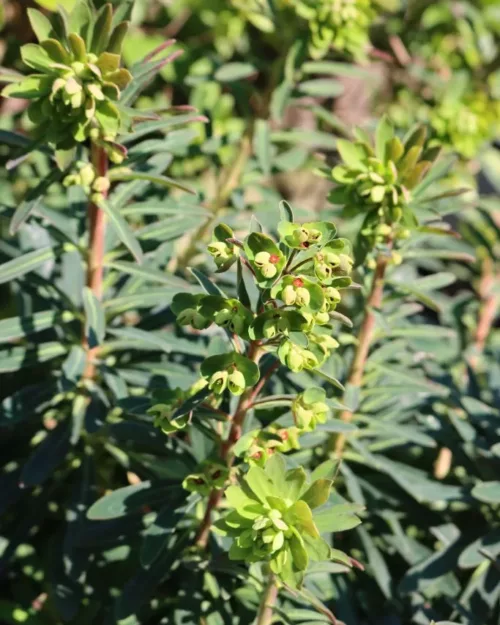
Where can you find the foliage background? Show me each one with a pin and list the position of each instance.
(430, 534)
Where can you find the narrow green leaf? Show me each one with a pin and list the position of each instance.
(162, 181)
(192, 403)
(262, 145)
(123, 230)
(129, 500)
(148, 338)
(489, 492)
(139, 589)
(339, 518)
(210, 287)
(329, 378)
(18, 327)
(146, 128)
(74, 366)
(383, 135)
(242, 291)
(47, 456)
(322, 87)
(33, 200)
(27, 403)
(173, 208)
(14, 139)
(279, 100)
(19, 357)
(24, 264)
(147, 299)
(167, 229)
(146, 273)
(234, 71)
(40, 24)
(95, 322)
(335, 69)
(29, 88)
(377, 563)
(155, 537)
(102, 29)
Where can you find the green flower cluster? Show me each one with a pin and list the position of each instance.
(200, 311)
(460, 36)
(211, 476)
(460, 117)
(343, 25)
(339, 25)
(294, 317)
(257, 446)
(466, 124)
(378, 178)
(78, 78)
(231, 371)
(310, 408)
(223, 253)
(273, 520)
(167, 401)
(86, 177)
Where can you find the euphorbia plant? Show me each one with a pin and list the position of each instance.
(298, 281)
(385, 178)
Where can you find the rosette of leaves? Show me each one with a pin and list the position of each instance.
(273, 519)
(382, 179)
(78, 79)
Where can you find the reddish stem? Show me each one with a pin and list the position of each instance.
(487, 312)
(97, 228)
(95, 259)
(244, 404)
(365, 339)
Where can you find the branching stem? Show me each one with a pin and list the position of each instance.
(226, 455)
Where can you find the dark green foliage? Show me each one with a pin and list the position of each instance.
(105, 477)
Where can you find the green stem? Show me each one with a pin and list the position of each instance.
(268, 601)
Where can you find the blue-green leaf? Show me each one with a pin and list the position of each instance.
(123, 230)
(95, 321)
(24, 264)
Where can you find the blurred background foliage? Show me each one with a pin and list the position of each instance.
(279, 82)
